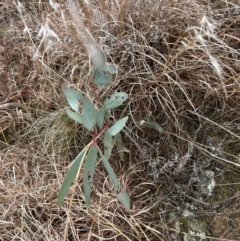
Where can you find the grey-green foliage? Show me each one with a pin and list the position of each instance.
(102, 72)
(71, 174)
(96, 121)
(117, 127)
(89, 171)
(152, 124)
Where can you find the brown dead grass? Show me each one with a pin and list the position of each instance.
(178, 70)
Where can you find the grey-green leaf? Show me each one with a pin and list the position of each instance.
(154, 125)
(124, 199)
(75, 116)
(71, 175)
(115, 100)
(101, 78)
(117, 127)
(110, 69)
(99, 61)
(119, 144)
(89, 171)
(108, 144)
(104, 74)
(110, 171)
(88, 116)
(100, 116)
(73, 97)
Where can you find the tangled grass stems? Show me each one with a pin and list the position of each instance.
(179, 63)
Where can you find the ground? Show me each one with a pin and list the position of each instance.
(178, 61)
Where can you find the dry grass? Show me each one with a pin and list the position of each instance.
(178, 61)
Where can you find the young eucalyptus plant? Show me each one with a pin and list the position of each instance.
(97, 121)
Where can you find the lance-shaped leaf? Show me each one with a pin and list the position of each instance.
(71, 175)
(119, 144)
(109, 68)
(108, 144)
(121, 196)
(89, 171)
(110, 171)
(104, 75)
(117, 127)
(115, 100)
(73, 97)
(75, 116)
(100, 78)
(99, 61)
(88, 116)
(152, 124)
(124, 199)
(100, 116)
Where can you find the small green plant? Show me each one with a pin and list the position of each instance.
(98, 123)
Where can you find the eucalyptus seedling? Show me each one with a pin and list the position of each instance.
(97, 122)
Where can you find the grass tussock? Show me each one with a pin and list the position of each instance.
(179, 62)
